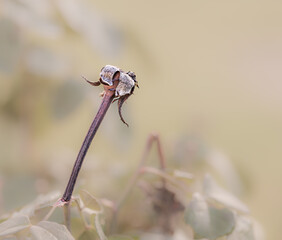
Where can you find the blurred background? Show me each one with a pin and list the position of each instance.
(210, 81)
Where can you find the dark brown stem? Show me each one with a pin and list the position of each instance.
(106, 102)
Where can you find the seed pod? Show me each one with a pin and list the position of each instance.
(125, 86)
(107, 74)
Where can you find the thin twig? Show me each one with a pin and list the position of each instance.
(137, 174)
(160, 153)
(135, 177)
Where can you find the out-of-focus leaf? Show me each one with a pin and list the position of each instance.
(11, 238)
(88, 235)
(67, 98)
(35, 16)
(167, 206)
(102, 35)
(120, 237)
(243, 229)
(226, 169)
(39, 233)
(160, 173)
(190, 150)
(182, 174)
(99, 228)
(44, 62)
(10, 46)
(13, 225)
(180, 235)
(160, 236)
(41, 201)
(91, 204)
(206, 221)
(59, 231)
(15, 186)
(216, 193)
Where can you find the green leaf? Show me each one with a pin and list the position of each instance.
(120, 237)
(95, 29)
(41, 201)
(39, 233)
(206, 221)
(13, 225)
(91, 204)
(59, 231)
(88, 235)
(243, 230)
(216, 193)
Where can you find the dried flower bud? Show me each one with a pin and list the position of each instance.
(107, 74)
(125, 86)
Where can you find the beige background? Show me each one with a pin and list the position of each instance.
(210, 67)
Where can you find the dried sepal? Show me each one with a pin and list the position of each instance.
(121, 101)
(92, 83)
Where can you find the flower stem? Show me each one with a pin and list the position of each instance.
(106, 102)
